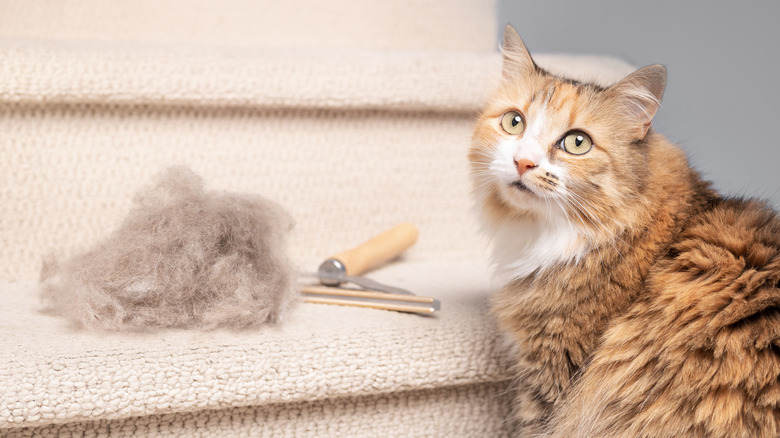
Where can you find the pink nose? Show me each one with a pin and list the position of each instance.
(524, 165)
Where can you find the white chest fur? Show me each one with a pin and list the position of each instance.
(523, 246)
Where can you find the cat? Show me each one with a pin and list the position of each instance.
(639, 302)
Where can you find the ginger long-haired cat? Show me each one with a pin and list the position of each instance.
(640, 303)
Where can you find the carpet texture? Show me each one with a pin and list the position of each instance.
(55, 374)
(443, 412)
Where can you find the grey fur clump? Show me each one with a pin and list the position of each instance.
(184, 258)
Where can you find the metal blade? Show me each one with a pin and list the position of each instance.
(368, 283)
(332, 279)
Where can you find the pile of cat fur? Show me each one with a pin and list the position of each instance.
(183, 258)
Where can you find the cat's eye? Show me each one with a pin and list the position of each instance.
(512, 123)
(576, 142)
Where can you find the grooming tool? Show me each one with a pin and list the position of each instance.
(370, 299)
(347, 266)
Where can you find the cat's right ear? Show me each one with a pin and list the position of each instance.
(517, 60)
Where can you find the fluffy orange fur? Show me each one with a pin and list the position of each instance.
(657, 313)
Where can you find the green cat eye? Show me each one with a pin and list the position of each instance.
(576, 143)
(512, 123)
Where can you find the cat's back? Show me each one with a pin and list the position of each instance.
(699, 353)
(722, 276)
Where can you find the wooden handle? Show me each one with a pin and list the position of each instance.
(360, 293)
(378, 250)
(425, 310)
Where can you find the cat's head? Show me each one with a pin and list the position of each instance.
(547, 146)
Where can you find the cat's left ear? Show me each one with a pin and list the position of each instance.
(638, 96)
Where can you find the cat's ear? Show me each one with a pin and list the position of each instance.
(517, 60)
(638, 96)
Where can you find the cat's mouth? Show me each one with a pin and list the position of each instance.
(522, 187)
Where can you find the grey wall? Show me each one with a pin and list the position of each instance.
(722, 101)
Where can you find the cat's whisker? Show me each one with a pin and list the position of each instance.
(565, 213)
(591, 217)
(611, 237)
(489, 155)
(612, 233)
(485, 176)
(482, 185)
(589, 212)
(582, 210)
(585, 229)
(550, 214)
(593, 211)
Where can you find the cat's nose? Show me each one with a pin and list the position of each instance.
(524, 166)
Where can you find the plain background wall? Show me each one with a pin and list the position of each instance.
(722, 100)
